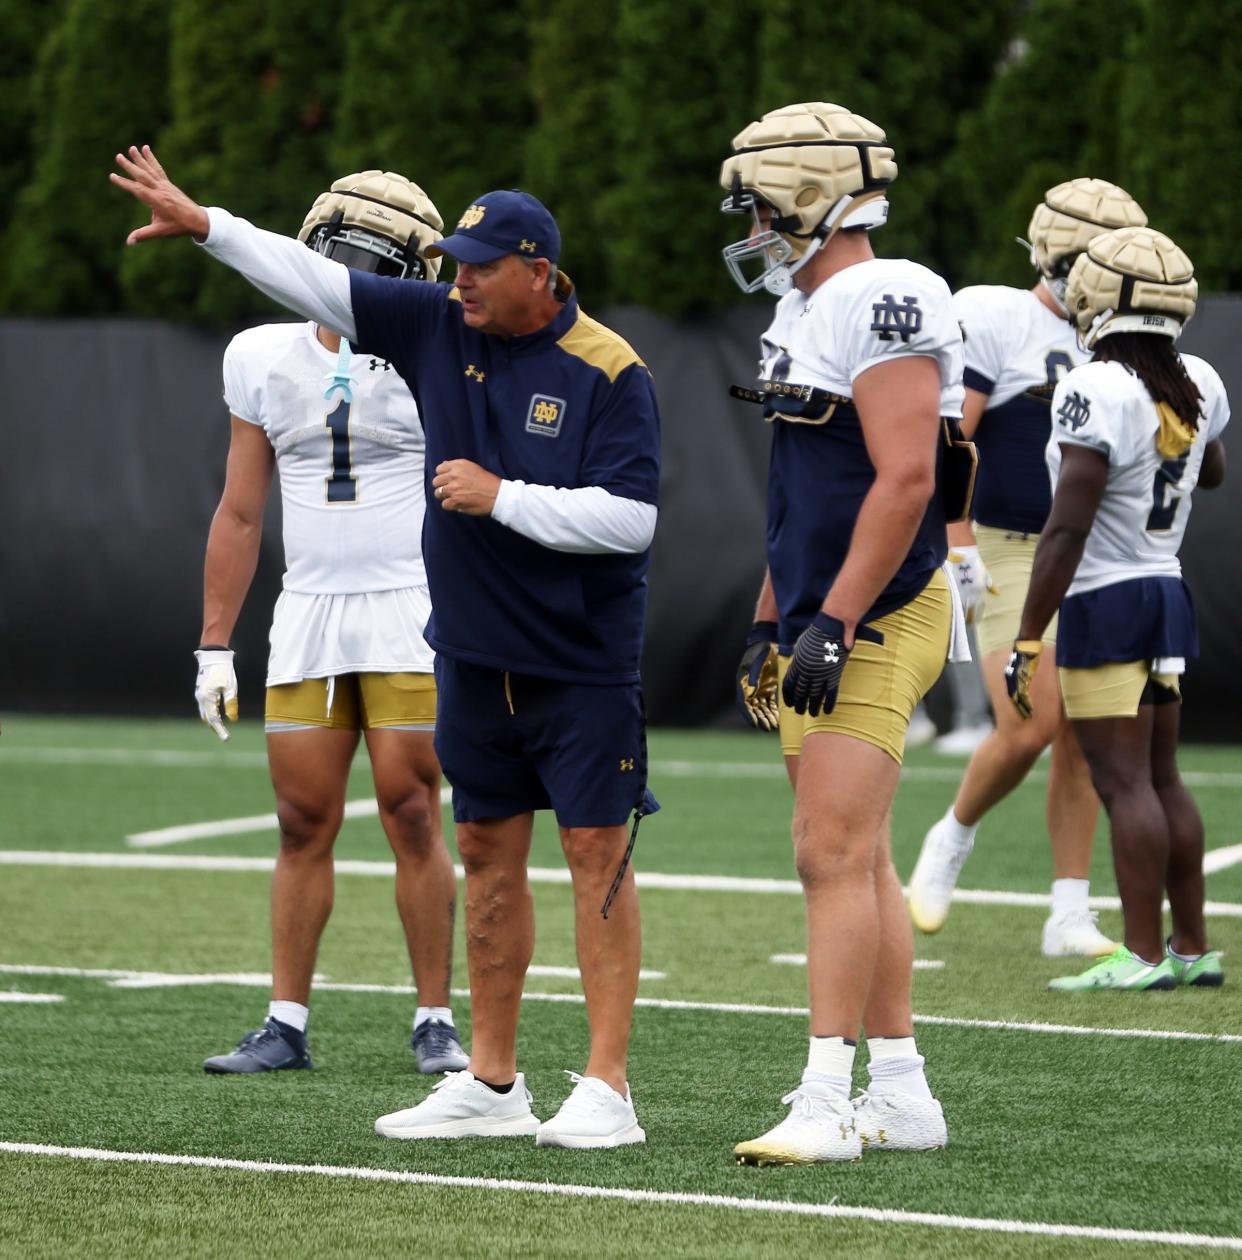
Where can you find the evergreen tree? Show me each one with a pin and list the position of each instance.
(572, 159)
(1050, 114)
(1182, 130)
(438, 97)
(911, 69)
(683, 87)
(26, 27)
(100, 83)
(252, 95)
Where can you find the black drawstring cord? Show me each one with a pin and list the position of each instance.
(625, 861)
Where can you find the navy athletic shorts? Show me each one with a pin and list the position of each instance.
(511, 743)
(1138, 619)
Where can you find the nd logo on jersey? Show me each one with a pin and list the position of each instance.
(904, 318)
(545, 415)
(1075, 411)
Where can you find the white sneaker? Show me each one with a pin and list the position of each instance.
(594, 1116)
(1074, 932)
(935, 875)
(460, 1106)
(895, 1121)
(921, 729)
(963, 741)
(819, 1129)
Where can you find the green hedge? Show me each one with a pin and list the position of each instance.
(617, 113)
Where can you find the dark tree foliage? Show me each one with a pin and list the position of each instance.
(424, 95)
(912, 69)
(252, 97)
(683, 86)
(617, 113)
(99, 77)
(1049, 115)
(22, 94)
(1181, 130)
(571, 160)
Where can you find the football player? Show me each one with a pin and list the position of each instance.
(1134, 431)
(1018, 345)
(862, 361)
(348, 658)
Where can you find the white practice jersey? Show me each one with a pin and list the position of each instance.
(1014, 343)
(1142, 518)
(865, 314)
(1016, 351)
(351, 473)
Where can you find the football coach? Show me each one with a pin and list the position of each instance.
(543, 463)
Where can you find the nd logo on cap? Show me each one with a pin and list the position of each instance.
(506, 221)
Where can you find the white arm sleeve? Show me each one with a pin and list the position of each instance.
(588, 520)
(285, 270)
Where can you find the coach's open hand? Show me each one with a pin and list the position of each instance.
(172, 212)
(462, 486)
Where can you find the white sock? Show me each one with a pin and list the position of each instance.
(1070, 895)
(830, 1062)
(424, 1013)
(897, 1067)
(292, 1013)
(961, 835)
(1180, 957)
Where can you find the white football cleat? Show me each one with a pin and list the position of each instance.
(935, 876)
(1075, 932)
(819, 1129)
(594, 1116)
(460, 1106)
(921, 729)
(963, 740)
(894, 1121)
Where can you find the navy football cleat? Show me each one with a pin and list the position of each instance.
(272, 1048)
(437, 1049)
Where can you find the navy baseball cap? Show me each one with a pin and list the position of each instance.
(507, 221)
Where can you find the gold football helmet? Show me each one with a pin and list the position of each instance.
(1132, 280)
(1070, 216)
(376, 221)
(814, 168)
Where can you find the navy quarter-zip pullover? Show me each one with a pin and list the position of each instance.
(570, 405)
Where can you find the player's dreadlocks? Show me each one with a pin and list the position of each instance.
(1155, 361)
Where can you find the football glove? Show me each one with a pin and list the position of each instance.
(972, 578)
(756, 677)
(215, 688)
(819, 657)
(1020, 673)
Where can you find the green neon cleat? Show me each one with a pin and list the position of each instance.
(1204, 972)
(1120, 970)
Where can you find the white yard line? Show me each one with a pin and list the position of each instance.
(777, 1207)
(12, 995)
(118, 978)
(1221, 859)
(674, 768)
(168, 757)
(799, 960)
(536, 874)
(123, 979)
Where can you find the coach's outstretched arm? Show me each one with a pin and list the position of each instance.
(279, 266)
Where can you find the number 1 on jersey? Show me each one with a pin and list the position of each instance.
(342, 485)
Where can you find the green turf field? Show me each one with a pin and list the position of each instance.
(1066, 1138)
